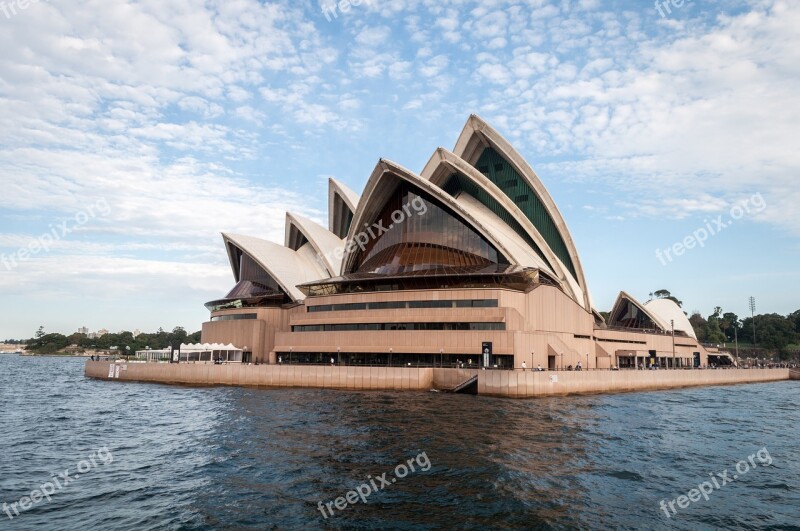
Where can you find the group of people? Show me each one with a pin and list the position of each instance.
(578, 367)
(525, 366)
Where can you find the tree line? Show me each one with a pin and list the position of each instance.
(773, 332)
(44, 343)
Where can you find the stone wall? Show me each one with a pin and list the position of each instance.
(512, 384)
(518, 384)
(327, 377)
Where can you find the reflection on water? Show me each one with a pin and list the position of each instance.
(199, 458)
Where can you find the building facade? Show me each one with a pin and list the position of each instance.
(468, 263)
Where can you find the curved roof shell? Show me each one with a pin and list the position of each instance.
(287, 267)
(381, 186)
(480, 145)
(301, 230)
(667, 310)
(342, 205)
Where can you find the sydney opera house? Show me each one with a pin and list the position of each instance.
(468, 263)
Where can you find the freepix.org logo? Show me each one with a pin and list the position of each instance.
(720, 479)
(57, 232)
(58, 482)
(375, 484)
(372, 232)
(750, 206)
(12, 8)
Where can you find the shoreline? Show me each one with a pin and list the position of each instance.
(507, 384)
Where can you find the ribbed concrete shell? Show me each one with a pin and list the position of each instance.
(323, 241)
(379, 188)
(286, 266)
(626, 297)
(667, 311)
(475, 137)
(444, 163)
(342, 205)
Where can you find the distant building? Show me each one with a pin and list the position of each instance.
(83, 330)
(102, 332)
(136, 332)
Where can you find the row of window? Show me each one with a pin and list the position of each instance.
(394, 305)
(234, 317)
(396, 359)
(621, 341)
(362, 327)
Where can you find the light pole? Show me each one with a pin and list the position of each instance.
(736, 340)
(339, 355)
(587, 361)
(390, 356)
(441, 357)
(753, 317)
(672, 323)
(562, 360)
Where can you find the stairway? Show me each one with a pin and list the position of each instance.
(467, 387)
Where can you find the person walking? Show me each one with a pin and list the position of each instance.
(523, 366)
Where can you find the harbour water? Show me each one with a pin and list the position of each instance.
(145, 456)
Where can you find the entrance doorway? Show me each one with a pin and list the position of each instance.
(551, 363)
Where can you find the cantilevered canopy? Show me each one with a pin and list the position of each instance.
(302, 231)
(342, 204)
(285, 266)
(485, 149)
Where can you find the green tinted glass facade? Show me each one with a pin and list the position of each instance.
(505, 177)
(458, 183)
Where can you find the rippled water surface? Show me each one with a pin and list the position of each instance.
(232, 458)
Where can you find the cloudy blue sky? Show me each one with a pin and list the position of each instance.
(134, 132)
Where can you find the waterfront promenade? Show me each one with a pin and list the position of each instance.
(511, 384)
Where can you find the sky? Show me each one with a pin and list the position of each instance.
(133, 132)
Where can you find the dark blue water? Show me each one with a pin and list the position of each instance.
(230, 458)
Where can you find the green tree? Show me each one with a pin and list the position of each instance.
(775, 332)
(665, 294)
(714, 332)
(795, 319)
(47, 344)
(699, 325)
(731, 326)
